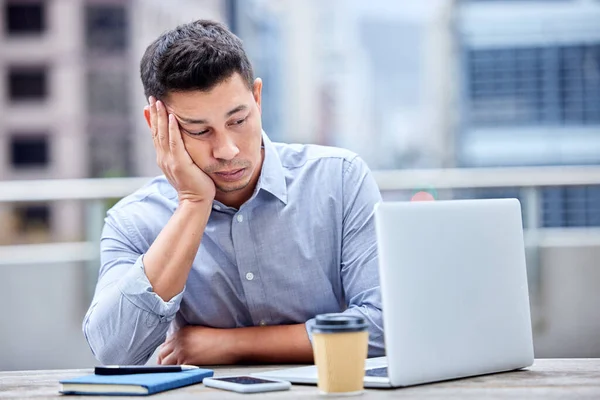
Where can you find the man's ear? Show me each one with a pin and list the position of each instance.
(147, 116)
(257, 92)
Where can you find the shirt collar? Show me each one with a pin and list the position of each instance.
(272, 178)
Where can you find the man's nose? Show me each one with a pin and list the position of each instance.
(225, 148)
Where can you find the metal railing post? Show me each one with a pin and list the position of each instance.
(533, 222)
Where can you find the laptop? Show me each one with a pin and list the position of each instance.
(454, 293)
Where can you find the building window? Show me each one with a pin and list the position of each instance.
(24, 18)
(32, 220)
(571, 206)
(106, 28)
(29, 151)
(27, 83)
(552, 85)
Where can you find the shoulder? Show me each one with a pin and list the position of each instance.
(147, 202)
(300, 155)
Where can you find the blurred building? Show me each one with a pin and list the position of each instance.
(408, 91)
(372, 77)
(42, 98)
(72, 99)
(531, 94)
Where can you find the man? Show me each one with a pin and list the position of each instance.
(243, 241)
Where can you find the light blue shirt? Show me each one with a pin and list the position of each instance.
(302, 245)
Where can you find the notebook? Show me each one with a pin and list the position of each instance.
(134, 384)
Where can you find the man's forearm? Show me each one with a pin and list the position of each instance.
(168, 261)
(273, 344)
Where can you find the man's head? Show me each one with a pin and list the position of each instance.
(201, 73)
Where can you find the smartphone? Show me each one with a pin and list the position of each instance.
(246, 384)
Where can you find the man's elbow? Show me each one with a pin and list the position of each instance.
(106, 348)
(108, 354)
(376, 332)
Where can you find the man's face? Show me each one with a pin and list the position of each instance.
(221, 130)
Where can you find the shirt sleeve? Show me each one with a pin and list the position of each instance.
(126, 320)
(359, 262)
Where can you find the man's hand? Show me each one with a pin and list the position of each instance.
(168, 261)
(191, 183)
(198, 345)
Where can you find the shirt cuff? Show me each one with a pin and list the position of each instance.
(309, 325)
(136, 287)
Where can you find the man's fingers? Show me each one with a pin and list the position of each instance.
(163, 351)
(169, 359)
(147, 108)
(153, 115)
(175, 139)
(163, 125)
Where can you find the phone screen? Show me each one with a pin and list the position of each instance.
(244, 380)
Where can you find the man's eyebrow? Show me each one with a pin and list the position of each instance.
(193, 121)
(239, 108)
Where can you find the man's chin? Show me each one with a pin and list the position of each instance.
(232, 187)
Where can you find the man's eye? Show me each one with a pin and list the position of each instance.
(198, 133)
(239, 121)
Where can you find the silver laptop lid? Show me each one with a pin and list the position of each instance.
(454, 287)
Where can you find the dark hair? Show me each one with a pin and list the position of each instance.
(194, 56)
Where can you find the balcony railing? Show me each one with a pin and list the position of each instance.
(394, 185)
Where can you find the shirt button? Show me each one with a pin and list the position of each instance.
(263, 323)
(240, 218)
(249, 276)
(217, 207)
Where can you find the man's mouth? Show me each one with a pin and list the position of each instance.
(231, 175)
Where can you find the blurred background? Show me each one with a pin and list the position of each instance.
(465, 99)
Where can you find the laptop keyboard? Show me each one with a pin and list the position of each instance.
(382, 372)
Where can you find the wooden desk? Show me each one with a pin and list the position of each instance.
(546, 379)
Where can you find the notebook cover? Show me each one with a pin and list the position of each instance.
(158, 382)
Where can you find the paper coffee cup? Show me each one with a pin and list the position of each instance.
(340, 345)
